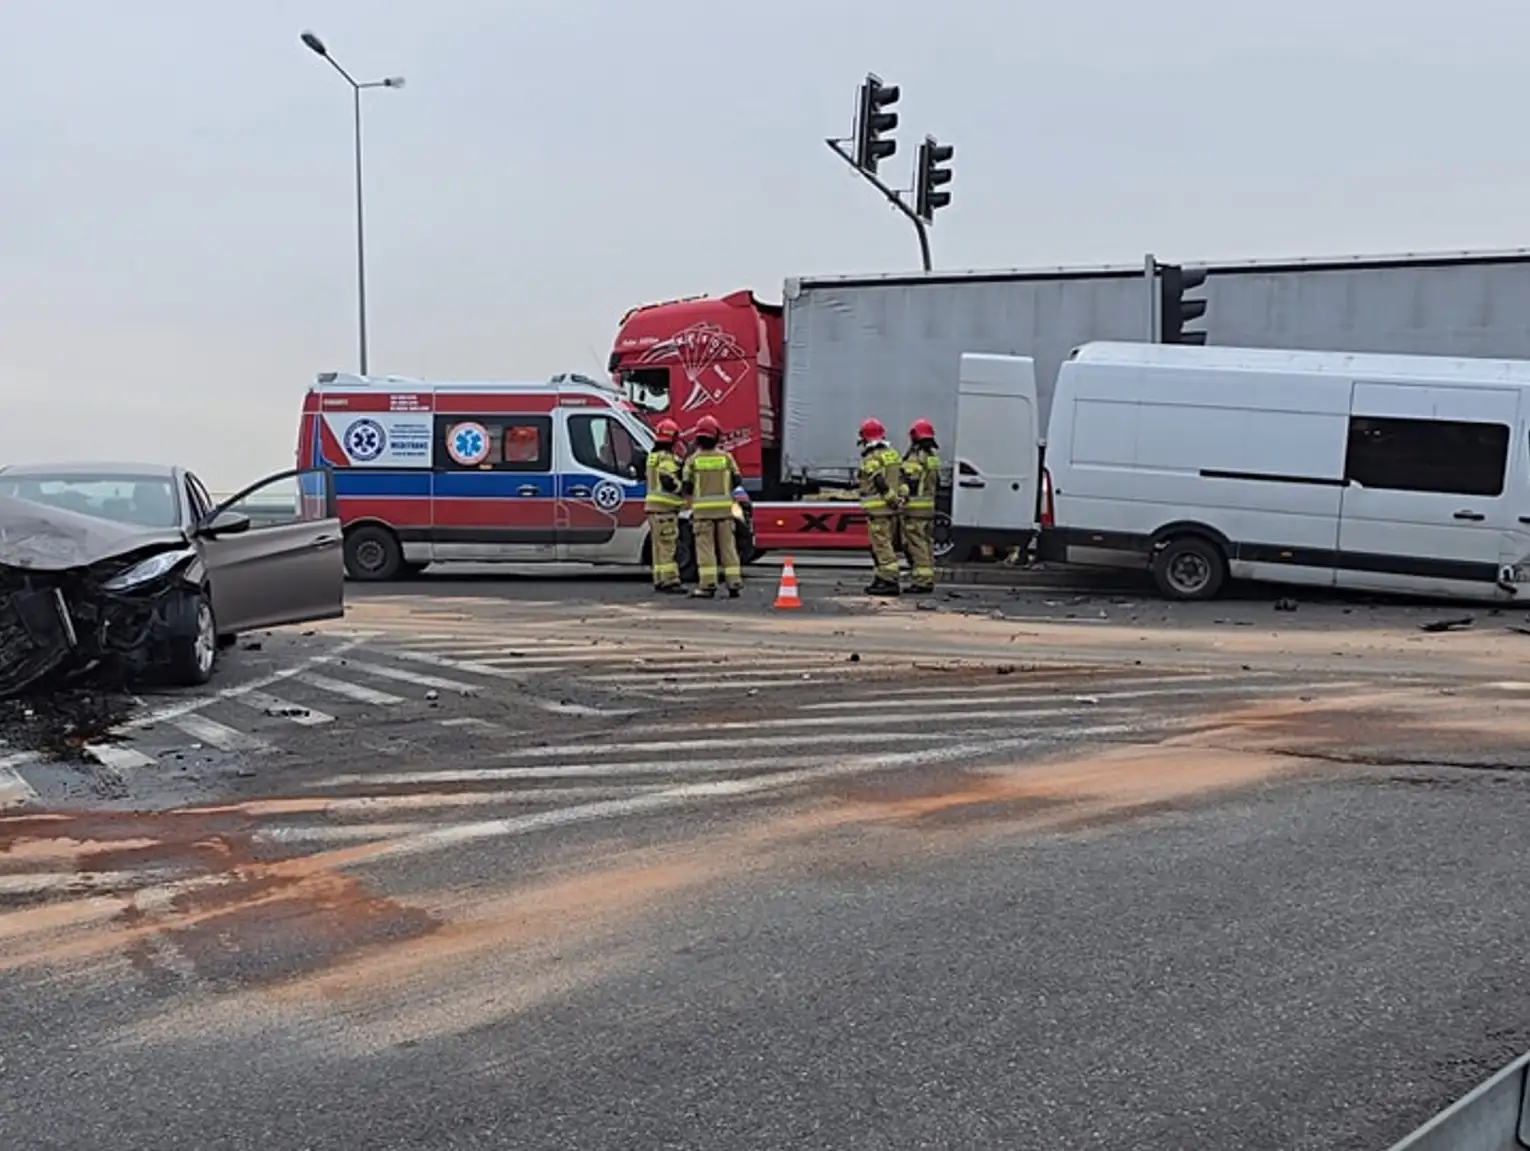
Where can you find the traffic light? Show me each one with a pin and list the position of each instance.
(874, 123)
(929, 176)
(1174, 310)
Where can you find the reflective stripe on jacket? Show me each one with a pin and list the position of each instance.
(881, 461)
(921, 470)
(710, 476)
(663, 497)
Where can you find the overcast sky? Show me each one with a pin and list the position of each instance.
(176, 214)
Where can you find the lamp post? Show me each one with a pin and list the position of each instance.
(315, 45)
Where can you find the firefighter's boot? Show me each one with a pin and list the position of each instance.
(883, 587)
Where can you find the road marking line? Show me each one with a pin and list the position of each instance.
(350, 833)
(1031, 682)
(195, 703)
(282, 709)
(650, 675)
(781, 741)
(224, 738)
(883, 716)
(477, 668)
(471, 721)
(583, 710)
(352, 805)
(41, 883)
(349, 690)
(114, 755)
(15, 791)
(601, 770)
(414, 677)
(1064, 696)
(455, 835)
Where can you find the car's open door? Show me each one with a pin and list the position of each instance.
(274, 553)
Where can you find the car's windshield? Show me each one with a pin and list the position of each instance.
(135, 500)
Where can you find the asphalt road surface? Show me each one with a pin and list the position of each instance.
(516, 863)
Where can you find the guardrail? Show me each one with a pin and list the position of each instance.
(1495, 1116)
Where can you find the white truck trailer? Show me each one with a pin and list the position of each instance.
(890, 346)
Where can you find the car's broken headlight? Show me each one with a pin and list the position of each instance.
(153, 568)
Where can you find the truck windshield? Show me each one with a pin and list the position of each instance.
(647, 388)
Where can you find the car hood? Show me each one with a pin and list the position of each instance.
(46, 539)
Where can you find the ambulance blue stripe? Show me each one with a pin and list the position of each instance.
(361, 483)
(377, 483)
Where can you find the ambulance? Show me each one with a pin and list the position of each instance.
(444, 472)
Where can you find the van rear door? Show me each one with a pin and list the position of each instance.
(997, 454)
(1428, 503)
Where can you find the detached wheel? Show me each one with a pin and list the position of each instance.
(372, 554)
(193, 640)
(1190, 568)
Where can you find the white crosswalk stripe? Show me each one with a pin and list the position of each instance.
(355, 691)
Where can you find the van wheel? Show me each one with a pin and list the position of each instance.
(372, 554)
(1189, 568)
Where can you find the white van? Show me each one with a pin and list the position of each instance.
(1386, 473)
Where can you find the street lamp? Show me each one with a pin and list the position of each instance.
(316, 46)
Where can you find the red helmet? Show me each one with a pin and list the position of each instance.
(709, 427)
(667, 432)
(921, 430)
(872, 429)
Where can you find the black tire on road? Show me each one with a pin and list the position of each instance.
(1190, 568)
(193, 639)
(940, 536)
(372, 554)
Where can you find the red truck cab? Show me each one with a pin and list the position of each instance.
(710, 355)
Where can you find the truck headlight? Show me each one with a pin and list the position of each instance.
(153, 568)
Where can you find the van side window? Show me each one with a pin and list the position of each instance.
(493, 444)
(602, 444)
(1452, 457)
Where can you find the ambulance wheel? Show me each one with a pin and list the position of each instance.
(372, 554)
(685, 553)
(1189, 568)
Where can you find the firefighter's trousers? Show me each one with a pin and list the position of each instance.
(716, 544)
(663, 536)
(919, 546)
(880, 533)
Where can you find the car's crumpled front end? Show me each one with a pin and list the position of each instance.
(81, 594)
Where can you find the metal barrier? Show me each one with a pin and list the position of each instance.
(1494, 1117)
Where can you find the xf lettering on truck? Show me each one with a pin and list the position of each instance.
(819, 521)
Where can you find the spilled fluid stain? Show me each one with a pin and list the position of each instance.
(228, 911)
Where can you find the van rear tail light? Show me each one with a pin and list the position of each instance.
(1048, 512)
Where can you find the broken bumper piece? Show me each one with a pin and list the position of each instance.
(55, 626)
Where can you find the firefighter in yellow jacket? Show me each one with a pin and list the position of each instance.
(708, 479)
(663, 504)
(921, 472)
(883, 493)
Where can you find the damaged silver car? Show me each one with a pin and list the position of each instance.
(135, 571)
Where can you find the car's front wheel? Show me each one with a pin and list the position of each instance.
(193, 639)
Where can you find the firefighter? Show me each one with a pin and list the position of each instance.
(882, 497)
(921, 472)
(708, 479)
(663, 504)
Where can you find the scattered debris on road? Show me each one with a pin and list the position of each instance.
(1453, 624)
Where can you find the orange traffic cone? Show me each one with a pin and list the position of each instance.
(786, 594)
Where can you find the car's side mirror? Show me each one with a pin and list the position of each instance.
(639, 466)
(226, 523)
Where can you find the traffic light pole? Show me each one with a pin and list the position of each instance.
(837, 147)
